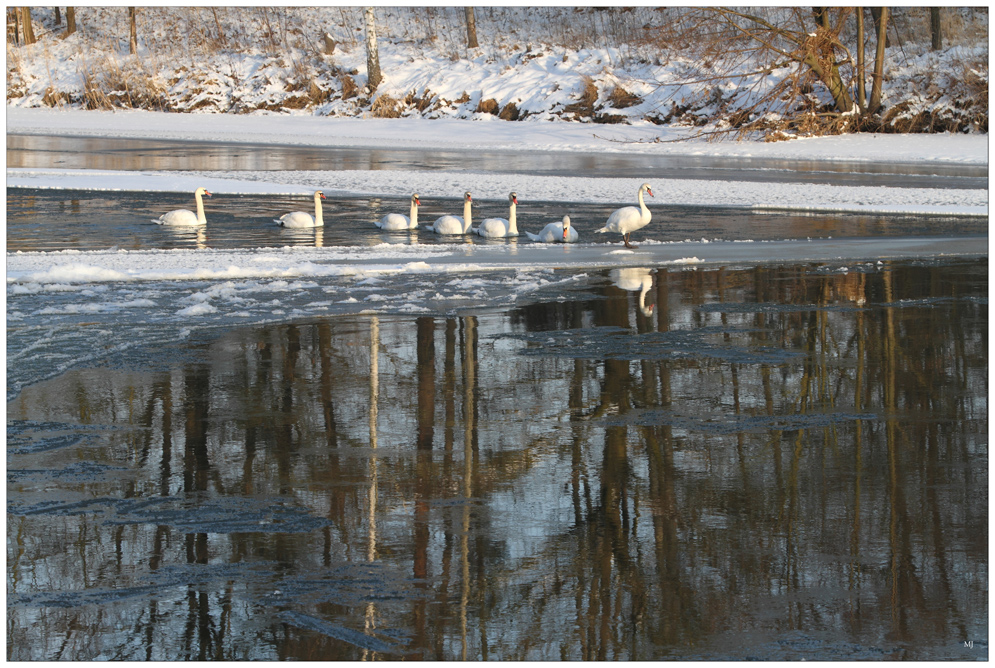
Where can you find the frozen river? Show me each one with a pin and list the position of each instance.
(46, 151)
(760, 435)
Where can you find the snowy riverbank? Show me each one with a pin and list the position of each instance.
(456, 135)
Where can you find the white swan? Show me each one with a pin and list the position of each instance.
(553, 232)
(397, 221)
(297, 219)
(499, 227)
(185, 216)
(628, 219)
(632, 279)
(454, 224)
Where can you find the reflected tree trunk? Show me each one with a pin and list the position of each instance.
(425, 329)
(371, 520)
(424, 487)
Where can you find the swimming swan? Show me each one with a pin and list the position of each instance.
(185, 216)
(499, 227)
(397, 221)
(297, 219)
(454, 224)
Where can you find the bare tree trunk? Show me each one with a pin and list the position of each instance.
(821, 17)
(861, 89)
(876, 15)
(29, 33)
(471, 28)
(70, 20)
(882, 25)
(58, 17)
(830, 76)
(16, 14)
(373, 75)
(132, 32)
(934, 28)
(217, 24)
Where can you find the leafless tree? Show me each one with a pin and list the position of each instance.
(70, 21)
(882, 27)
(374, 77)
(934, 28)
(29, 33)
(132, 32)
(821, 51)
(861, 92)
(471, 28)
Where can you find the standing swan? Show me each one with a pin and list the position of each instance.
(185, 216)
(499, 227)
(397, 221)
(301, 219)
(553, 232)
(628, 219)
(454, 224)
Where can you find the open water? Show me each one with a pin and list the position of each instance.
(776, 453)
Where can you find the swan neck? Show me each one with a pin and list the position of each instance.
(414, 214)
(642, 204)
(200, 209)
(317, 211)
(466, 216)
(512, 221)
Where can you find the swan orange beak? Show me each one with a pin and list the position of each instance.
(650, 191)
(565, 229)
(207, 193)
(322, 195)
(417, 201)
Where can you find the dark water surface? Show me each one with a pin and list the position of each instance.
(46, 152)
(782, 462)
(48, 220)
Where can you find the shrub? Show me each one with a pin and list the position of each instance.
(385, 107)
(622, 99)
(509, 113)
(488, 106)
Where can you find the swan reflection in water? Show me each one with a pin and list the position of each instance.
(632, 279)
(195, 237)
(313, 236)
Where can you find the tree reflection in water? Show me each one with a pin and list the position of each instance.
(779, 462)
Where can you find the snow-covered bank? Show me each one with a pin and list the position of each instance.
(502, 136)
(446, 184)
(489, 134)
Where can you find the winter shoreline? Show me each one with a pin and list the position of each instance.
(490, 134)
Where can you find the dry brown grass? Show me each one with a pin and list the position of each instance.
(385, 107)
(349, 87)
(622, 99)
(587, 99)
(488, 106)
(510, 112)
(420, 102)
